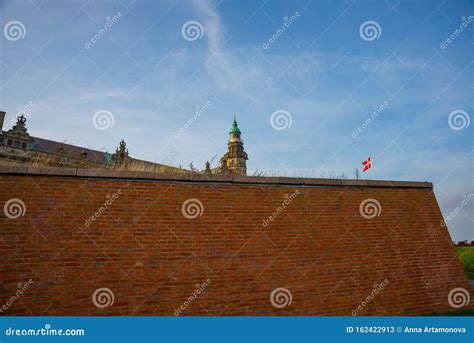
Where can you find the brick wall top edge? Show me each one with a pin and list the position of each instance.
(192, 177)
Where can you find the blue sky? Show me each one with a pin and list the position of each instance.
(319, 70)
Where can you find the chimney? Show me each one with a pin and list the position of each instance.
(2, 118)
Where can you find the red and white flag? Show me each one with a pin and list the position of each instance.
(367, 164)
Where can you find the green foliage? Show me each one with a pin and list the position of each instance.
(466, 255)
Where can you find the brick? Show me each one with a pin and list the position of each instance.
(316, 244)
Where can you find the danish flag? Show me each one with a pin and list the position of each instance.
(367, 164)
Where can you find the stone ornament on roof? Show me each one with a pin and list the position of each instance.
(20, 120)
(121, 153)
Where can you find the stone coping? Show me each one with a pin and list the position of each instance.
(203, 178)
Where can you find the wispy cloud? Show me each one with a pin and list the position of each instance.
(151, 79)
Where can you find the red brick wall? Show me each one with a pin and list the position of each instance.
(151, 257)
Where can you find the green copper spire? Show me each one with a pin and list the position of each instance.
(235, 127)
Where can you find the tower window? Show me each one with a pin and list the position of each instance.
(9, 142)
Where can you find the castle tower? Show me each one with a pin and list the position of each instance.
(235, 159)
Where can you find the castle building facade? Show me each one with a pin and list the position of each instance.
(18, 146)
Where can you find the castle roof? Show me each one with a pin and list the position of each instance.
(68, 150)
